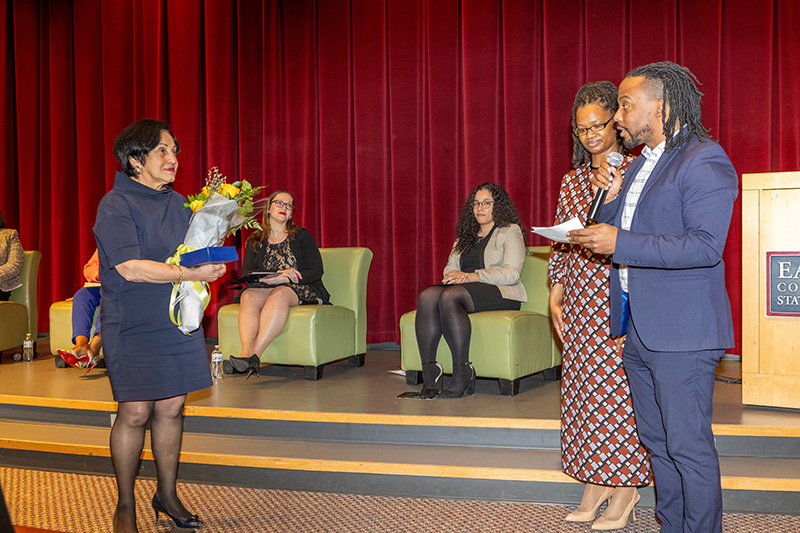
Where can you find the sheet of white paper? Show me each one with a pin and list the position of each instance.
(559, 233)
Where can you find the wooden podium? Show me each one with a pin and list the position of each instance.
(771, 289)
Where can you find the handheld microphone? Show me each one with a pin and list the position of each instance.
(614, 159)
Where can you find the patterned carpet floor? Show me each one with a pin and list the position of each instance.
(74, 503)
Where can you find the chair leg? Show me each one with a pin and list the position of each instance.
(553, 373)
(508, 387)
(413, 377)
(313, 373)
(60, 363)
(356, 360)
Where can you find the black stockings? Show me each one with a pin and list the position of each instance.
(444, 310)
(127, 441)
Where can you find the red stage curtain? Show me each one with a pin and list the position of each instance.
(379, 116)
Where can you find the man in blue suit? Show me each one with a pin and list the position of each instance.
(666, 227)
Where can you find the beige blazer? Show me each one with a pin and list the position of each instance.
(504, 258)
(11, 256)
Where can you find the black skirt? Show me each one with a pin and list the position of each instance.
(488, 298)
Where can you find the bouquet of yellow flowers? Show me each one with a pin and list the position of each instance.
(218, 210)
(221, 209)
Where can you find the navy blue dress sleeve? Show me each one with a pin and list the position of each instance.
(116, 233)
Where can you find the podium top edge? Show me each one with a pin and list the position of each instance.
(771, 180)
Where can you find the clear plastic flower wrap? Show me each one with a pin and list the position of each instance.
(213, 222)
(220, 209)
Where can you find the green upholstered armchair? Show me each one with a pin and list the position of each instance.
(316, 334)
(506, 345)
(19, 315)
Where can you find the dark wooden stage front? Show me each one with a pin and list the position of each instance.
(350, 433)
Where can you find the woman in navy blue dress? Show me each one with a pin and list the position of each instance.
(151, 364)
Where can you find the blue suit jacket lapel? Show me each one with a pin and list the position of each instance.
(663, 161)
(633, 170)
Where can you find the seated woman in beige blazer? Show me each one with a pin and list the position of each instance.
(482, 274)
(11, 258)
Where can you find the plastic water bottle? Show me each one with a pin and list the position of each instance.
(216, 363)
(27, 348)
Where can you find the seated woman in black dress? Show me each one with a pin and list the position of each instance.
(482, 274)
(290, 251)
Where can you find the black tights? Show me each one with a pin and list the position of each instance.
(127, 441)
(444, 310)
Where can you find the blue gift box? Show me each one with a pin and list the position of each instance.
(213, 254)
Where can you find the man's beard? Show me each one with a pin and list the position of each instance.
(635, 139)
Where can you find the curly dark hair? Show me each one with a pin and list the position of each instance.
(677, 86)
(604, 94)
(259, 236)
(504, 214)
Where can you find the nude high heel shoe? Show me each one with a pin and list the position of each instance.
(587, 516)
(608, 524)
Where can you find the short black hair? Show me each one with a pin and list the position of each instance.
(2, 221)
(138, 140)
(677, 86)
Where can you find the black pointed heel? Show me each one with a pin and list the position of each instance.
(240, 365)
(433, 372)
(468, 389)
(192, 522)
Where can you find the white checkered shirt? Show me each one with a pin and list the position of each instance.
(632, 198)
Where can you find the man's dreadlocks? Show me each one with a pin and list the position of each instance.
(680, 93)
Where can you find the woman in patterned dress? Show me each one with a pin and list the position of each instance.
(290, 251)
(599, 442)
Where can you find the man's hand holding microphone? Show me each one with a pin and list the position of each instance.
(601, 238)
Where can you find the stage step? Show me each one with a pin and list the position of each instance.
(430, 456)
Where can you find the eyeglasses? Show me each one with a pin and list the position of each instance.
(597, 128)
(281, 203)
(486, 203)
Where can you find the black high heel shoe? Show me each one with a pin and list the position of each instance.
(192, 522)
(240, 365)
(456, 389)
(433, 372)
